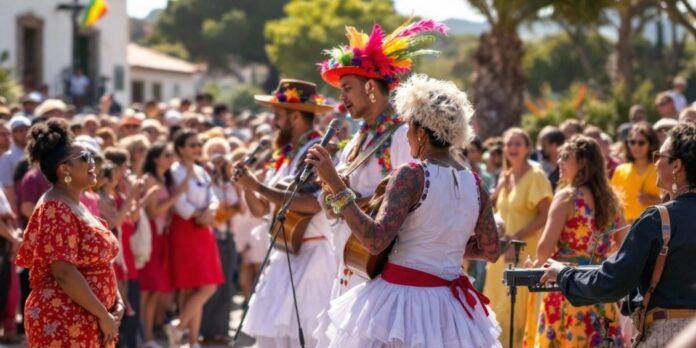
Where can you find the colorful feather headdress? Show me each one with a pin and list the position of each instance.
(381, 56)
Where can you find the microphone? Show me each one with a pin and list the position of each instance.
(333, 128)
(251, 157)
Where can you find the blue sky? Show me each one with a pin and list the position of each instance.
(435, 9)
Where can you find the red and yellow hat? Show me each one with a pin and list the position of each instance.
(381, 56)
(296, 95)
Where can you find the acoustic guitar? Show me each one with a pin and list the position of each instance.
(295, 226)
(356, 257)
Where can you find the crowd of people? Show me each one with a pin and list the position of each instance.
(119, 226)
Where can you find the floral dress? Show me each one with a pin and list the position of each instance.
(561, 324)
(52, 318)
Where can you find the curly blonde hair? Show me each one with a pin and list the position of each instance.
(438, 106)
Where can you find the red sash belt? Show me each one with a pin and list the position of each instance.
(401, 275)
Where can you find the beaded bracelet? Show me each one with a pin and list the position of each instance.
(332, 199)
(345, 198)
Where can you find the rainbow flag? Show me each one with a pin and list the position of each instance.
(94, 12)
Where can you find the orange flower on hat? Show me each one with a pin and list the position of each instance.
(292, 96)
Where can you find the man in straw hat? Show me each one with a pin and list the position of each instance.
(271, 317)
(366, 70)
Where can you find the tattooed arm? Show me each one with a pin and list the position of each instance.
(484, 244)
(402, 192)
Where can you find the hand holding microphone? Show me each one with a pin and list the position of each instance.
(320, 158)
(241, 172)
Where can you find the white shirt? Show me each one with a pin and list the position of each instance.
(8, 163)
(78, 85)
(679, 100)
(200, 193)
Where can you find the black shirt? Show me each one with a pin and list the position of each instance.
(628, 272)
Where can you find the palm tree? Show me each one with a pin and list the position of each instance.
(498, 81)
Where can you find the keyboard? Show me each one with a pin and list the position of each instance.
(530, 277)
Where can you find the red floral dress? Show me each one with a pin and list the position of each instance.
(55, 233)
(561, 324)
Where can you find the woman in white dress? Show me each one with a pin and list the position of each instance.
(435, 209)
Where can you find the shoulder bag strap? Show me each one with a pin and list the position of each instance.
(666, 230)
(364, 156)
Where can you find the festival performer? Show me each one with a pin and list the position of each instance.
(366, 70)
(271, 318)
(655, 265)
(437, 209)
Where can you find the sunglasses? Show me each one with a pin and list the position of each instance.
(131, 126)
(85, 156)
(194, 145)
(637, 142)
(565, 156)
(656, 155)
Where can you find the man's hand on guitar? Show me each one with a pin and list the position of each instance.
(320, 158)
(244, 177)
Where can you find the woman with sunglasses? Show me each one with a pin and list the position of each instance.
(74, 298)
(195, 262)
(634, 180)
(583, 209)
(629, 272)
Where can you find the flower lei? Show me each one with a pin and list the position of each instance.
(288, 152)
(293, 96)
(384, 122)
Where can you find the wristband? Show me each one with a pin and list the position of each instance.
(347, 196)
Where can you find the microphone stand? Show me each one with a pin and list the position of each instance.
(279, 218)
(518, 245)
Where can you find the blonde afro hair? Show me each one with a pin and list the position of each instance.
(436, 105)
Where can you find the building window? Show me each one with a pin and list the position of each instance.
(177, 91)
(30, 51)
(137, 91)
(157, 91)
(119, 77)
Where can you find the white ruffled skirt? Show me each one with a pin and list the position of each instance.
(381, 314)
(271, 309)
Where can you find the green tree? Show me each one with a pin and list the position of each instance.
(556, 61)
(10, 89)
(296, 42)
(499, 80)
(217, 32)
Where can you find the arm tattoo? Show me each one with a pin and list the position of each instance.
(403, 192)
(484, 244)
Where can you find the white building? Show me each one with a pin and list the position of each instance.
(158, 76)
(37, 38)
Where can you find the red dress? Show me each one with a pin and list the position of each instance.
(156, 275)
(194, 255)
(126, 269)
(55, 233)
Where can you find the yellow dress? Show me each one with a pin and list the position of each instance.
(517, 208)
(628, 184)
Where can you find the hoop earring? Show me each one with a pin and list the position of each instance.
(372, 98)
(675, 188)
(67, 179)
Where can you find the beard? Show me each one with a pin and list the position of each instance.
(283, 137)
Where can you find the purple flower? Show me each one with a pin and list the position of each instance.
(551, 334)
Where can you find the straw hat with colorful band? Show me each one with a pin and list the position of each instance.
(381, 56)
(296, 95)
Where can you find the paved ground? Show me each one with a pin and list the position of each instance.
(244, 340)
